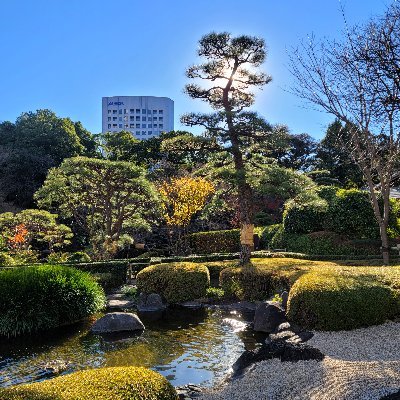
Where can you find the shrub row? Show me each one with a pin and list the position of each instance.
(211, 258)
(42, 297)
(128, 383)
(215, 242)
(324, 243)
(177, 282)
(196, 258)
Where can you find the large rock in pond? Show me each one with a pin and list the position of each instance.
(150, 302)
(268, 317)
(118, 322)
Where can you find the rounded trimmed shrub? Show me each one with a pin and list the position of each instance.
(43, 297)
(338, 301)
(176, 282)
(115, 383)
(254, 282)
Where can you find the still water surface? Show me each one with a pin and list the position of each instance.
(186, 346)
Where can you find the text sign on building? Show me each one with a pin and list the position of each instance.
(116, 103)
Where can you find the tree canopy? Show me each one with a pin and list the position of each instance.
(112, 200)
(32, 145)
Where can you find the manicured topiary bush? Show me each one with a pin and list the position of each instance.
(254, 282)
(340, 301)
(116, 383)
(176, 282)
(42, 297)
(215, 242)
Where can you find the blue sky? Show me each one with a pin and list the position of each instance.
(66, 54)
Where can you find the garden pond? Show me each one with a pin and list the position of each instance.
(184, 345)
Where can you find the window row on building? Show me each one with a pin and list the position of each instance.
(134, 111)
(137, 118)
(130, 126)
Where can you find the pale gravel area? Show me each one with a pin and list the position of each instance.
(362, 364)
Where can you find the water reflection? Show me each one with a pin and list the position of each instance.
(186, 346)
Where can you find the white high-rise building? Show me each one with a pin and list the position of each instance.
(143, 116)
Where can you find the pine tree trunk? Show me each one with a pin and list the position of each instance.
(245, 254)
(246, 222)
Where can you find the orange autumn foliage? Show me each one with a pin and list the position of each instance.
(20, 236)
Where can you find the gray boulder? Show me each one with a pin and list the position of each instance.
(118, 322)
(268, 317)
(150, 302)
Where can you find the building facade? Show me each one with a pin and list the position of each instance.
(143, 116)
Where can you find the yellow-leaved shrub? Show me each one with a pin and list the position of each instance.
(183, 197)
(115, 383)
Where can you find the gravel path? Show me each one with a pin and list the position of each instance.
(362, 364)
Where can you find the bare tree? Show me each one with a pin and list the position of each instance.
(357, 80)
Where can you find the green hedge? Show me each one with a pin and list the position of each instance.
(43, 297)
(339, 301)
(325, 244)
(215, 242)
(178, 282)
(254, 282)
(195, 258)
(116, 383)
